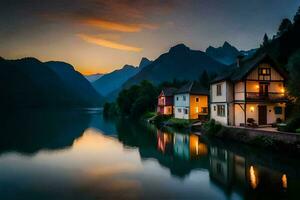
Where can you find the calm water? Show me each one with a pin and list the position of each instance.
(79, 155)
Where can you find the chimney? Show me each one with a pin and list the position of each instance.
(238, 60)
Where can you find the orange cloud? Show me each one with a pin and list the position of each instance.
(116, 26)
(107, 43)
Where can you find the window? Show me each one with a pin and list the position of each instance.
(185, 111)
(184, 98)
(197, 99)
(219, 90)
(215, 108)
(278, 110)
(204, 110)
(220, 170)
(221, 110)
(176, 98)
(179, 110)
(264, 73)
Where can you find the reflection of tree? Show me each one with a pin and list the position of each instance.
(33, 130)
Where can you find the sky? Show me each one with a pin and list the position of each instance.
(99, 36)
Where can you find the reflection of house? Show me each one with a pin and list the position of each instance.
(221, 164)
(191, 101)
(164, 141)
(188, 146)
(165, 101)
(181, 146)
(254, 89)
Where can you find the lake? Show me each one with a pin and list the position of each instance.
(80, 155)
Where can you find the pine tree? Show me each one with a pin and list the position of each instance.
(204, 79)
(297, 16)
(285, 25)
(265, 40)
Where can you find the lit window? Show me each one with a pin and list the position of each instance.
(196, 110)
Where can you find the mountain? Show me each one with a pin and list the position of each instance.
(75, 82)
(227, 53)
(29, 82)
(114, 80)
(93, 77)
(179, 63)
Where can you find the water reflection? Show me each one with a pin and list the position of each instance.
(71, 150)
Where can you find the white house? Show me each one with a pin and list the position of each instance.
(253, 92)
(191, 101)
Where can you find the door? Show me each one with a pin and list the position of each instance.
(262, 115)
(263, 89)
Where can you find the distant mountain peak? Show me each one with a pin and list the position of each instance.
(179, 48)
(144, 62)
(128, 67)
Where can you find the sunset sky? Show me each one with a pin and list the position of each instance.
(103, 35)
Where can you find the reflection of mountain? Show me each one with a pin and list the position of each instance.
(32, 131)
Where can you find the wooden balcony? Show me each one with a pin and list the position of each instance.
(271, 96)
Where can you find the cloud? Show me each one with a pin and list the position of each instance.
(118, 26)
(107, 43)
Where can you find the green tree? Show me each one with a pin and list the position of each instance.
(293, 67)
(266, 40)
(297, 16)
(285, 25)
(204, 79)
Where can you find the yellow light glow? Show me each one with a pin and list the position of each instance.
(257, 86)
(253, 178)
(284, 181)
(282, 90)
(196, 109)
(252, 108)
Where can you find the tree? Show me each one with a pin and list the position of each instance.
(293, 67)
(204, 79)
(285, 25)
(265, 40)
(297, 16)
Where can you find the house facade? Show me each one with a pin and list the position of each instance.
(166, 101)
(191, 101)
(254, 91)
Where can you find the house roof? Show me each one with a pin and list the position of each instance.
(168, 91)
(192, 87)
(246, 66)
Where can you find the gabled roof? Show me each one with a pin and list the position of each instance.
(168, 91)
(246, 66)
(192, 87)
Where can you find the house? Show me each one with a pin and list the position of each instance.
(252, 92)
(165, 101)
(191, 101)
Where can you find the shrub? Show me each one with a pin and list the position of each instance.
(160, 119)
(293, 123)
(212, 127)
(298, 130)
(179, 123)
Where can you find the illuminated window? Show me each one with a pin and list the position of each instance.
(264, 73)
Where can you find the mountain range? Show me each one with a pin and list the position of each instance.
(93, 77)
(29, 82)
(114, 80)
